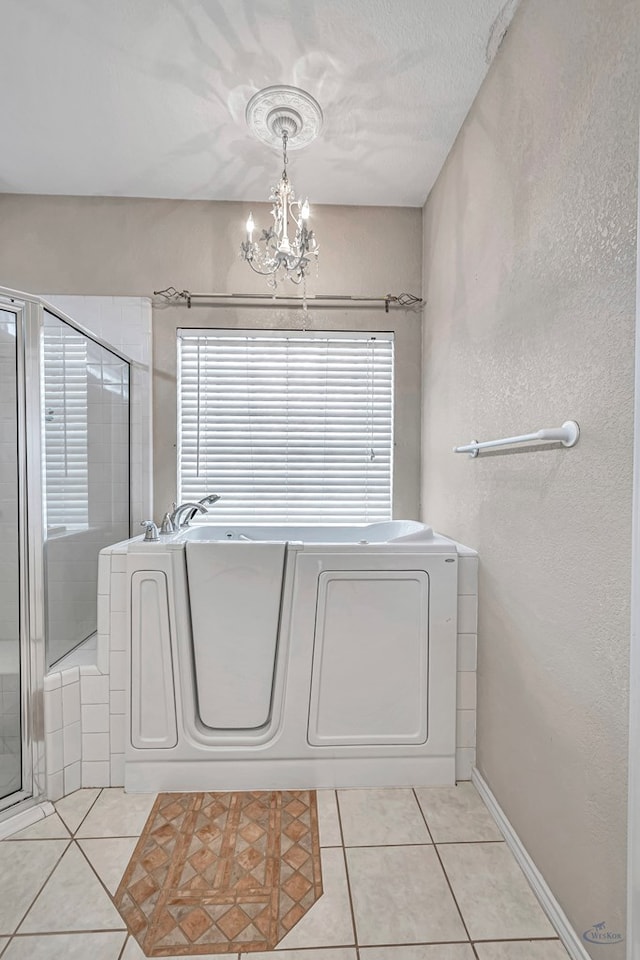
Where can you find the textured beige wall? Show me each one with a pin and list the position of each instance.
(529, 271)
(120, 247)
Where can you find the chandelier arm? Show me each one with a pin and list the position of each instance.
(263, 273)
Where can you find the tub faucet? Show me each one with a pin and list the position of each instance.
(206, 501)
(191, 508)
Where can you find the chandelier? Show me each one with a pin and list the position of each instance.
(287, 247)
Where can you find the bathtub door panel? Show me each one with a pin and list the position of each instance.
(153, 705)
(235, 594)
(370, 659)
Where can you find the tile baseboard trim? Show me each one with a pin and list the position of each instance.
(26, 818)
(538, 884)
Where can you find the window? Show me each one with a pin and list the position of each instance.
(287, 426)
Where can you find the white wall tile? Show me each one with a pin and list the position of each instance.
(72, 778)
(465, 761)
(52, 681)
(96, 774)
(55, 785)
(117, 769)
(119, 624)
(102, 652)
(467, 614)
(72, 675)
(71, 736)
(52, 710)
(71, 703)
(95, 718)
(467, 651)
(464, 551)
(104, 573)
(103, 614)
(89, 670)
(117, 702)
(117, 732)
(465, 728)
(95, 747)
(468, 575)
(118, 592)
(118, 674)
(94, 689)
(466, 690)
(54, 746)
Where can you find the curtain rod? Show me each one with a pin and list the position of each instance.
(171, 295)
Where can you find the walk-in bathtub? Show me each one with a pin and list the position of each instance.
(291, 657)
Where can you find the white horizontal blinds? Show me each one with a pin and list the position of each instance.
(65, 424)
(287, 426)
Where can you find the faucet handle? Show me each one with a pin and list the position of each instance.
(151, 531)
(167, 525)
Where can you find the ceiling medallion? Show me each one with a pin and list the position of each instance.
(291, 118)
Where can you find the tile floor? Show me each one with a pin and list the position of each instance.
(408, 875)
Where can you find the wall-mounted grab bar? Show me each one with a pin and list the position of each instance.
(568, 435)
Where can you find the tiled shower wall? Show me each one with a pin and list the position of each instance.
(97, 743)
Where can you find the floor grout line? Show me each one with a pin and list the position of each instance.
(348, 878)
(124, 946)
(276, 951)
(90, 808)
(67, 933)
(326, 846)
(435, 847)
(419, 843)
(98, 795)
(46, 880)
(416, 943)
(111, 836)
(516, 940)
(99, 878)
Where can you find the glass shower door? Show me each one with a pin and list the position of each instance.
(11, 778)
(85, 399)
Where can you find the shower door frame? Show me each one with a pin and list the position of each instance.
(27, 312)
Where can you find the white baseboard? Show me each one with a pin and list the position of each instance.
(548, 902)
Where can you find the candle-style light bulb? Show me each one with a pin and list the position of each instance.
(305, 212)
(250, 227)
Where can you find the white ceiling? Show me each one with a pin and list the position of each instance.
(146, 98)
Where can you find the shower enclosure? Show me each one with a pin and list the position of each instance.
(64, 494)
